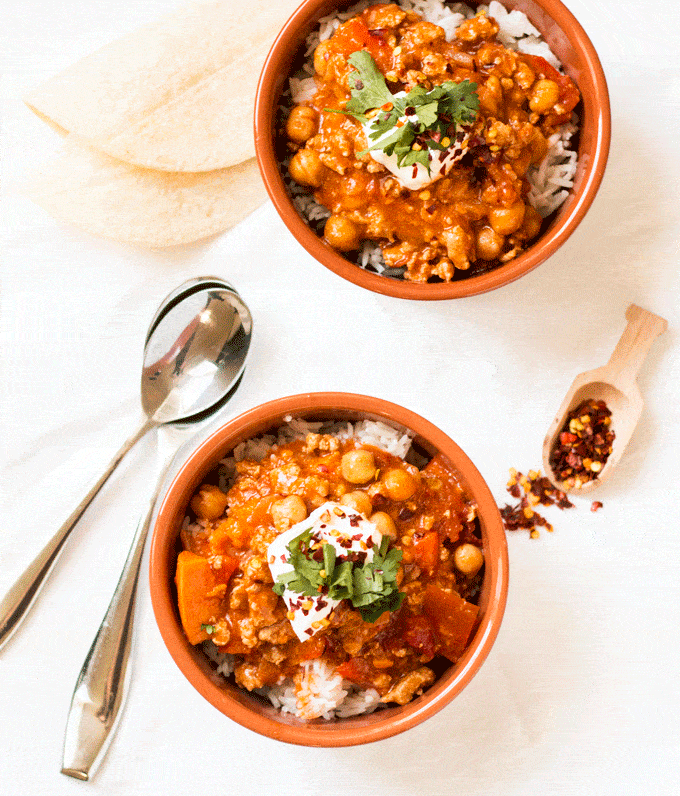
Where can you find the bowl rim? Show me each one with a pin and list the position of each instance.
(237, 704)
(558, 232)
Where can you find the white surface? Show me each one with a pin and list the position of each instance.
(580, 694)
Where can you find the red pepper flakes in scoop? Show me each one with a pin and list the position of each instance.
(584, 444)
(537, 490)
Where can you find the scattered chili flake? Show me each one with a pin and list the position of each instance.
(595, 505)
(537, 490)
(583, 445)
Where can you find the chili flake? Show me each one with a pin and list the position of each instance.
(537, 490)
(584, 444)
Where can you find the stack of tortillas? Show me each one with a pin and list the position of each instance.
(159, 126)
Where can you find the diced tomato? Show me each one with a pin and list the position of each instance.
(453, 618)
(542, 68)
(357, 670)
(419, 634)
(426, 552)
(354, 35)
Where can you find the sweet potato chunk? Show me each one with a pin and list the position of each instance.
(198, 595)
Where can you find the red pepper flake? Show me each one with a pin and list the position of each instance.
(537, 491)
(584, 444)
(530, 491)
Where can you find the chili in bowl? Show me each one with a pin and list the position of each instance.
(427, 151)
(329, 569)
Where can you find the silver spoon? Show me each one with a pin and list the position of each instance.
(194, 353)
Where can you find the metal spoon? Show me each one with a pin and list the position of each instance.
(195, 351)
(614, 383)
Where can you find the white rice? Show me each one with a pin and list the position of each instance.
(317, 691)
(550, 181)
(368, 432)
(320, 692)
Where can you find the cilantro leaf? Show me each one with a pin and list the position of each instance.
(369, 89)
(209, 629)
(428, 113)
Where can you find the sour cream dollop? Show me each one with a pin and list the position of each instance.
(332, 523)
(416, 176)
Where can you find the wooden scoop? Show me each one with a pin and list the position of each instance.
(615, 384)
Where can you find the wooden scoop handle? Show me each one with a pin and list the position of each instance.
(630, 352)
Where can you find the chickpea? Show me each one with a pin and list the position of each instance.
(539, 146)
(468, 559)
(384, 523)
(359, 501)
(400, 484)
(544, 95)
(321, 56)
(531, 225)
(288, 511)
(306, 168)
(358, 466)
(506, 220)
(342, 234)
(489, 243)
(209, 502)
(302, 123)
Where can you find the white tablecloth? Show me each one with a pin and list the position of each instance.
(580, 694)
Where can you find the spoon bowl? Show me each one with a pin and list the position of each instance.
(194, 352)
(615, 384)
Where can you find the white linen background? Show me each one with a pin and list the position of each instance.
(580, 694)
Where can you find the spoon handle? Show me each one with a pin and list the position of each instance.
(103, 681)
(16, 603)
(631, 350)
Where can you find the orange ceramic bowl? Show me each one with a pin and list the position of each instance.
(254, 712)
(571, 45)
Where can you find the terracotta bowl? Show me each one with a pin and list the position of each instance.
(252, 711)
(570, 44)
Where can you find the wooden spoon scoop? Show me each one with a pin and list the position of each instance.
(615, 384)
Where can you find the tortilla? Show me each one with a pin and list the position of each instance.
(176, 95)
(143, 206)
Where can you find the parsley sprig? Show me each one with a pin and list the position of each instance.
(371, 587)
(432, 116)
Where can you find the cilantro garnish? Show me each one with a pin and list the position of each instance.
(432, 117)
(371, 587)
(209, 629)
